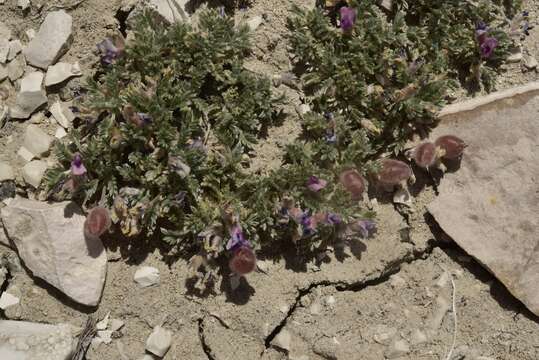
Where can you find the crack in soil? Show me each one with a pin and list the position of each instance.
(205, 346)
(391, 269)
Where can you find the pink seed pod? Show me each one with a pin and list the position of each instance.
(97, 222)
(424, 154)
(452, 146)
(393, 172)
(243, 261)
(353, 182)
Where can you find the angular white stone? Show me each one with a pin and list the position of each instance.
(33, 172)
(60, 72)
(15, 68)
(147, 276)
(50, 240)
(5, 31)
(104, 336)
(170, 10)
(102, 325)
(8, 300)
(255, 22)
(52, 40)
(25, 154)
(30, 34)
(283, 340)
(60, 133)
(116, 324)
(6, 173)
(22, 340)
(36, 140)
(15, 47)
(62, 114)
(23, 4)
(159, 341)
(30, 97)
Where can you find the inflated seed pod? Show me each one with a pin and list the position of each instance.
(452, 146)
(393, 172)
(424, 154)
(97, 222)
(243, 261)
(353, 182)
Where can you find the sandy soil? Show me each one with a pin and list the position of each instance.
(337, 309)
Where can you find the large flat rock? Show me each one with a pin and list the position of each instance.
(490, 206)
(50, 240)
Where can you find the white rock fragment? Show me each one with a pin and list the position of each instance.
(435, 320)
(23, 4)
(5, 31)
(4, 50)
(386, 5)
(159, 341)
(442, 280)
(396, 281)
(315, 308)
(60, 72)
(383, 334)
(52, 40)
(402, 196)
(148, 357)
(283, 340)
(6, 173)
(330, 301)
(397, 349)
(30, 34)
(25, 154)
(116, 324)
(418, 337)
(30, 97)
(255, 22)
(3, 72)
(15, 68)
(15, 47)
(147, 276)
(62, 114)
(60, 133)
(29, 340)
(171, 10)
(33, 172)
(8, 300)
(50, 240)
(104, 323)
(36, 140)
(530, 62)
(104, 336)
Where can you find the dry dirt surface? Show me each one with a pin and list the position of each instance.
(383, 295)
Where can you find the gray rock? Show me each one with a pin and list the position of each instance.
(26, 340)
(6, 172)
(15, 47)
(159, 341)
(50, 240)
(170, 10)
(52, 40)
(147, 276)
(397, 349)
(60, 72)
(489, 206)
(15, 69)
(23, 4)
(30, 34)
(116, 324)
(283, 340)
(62, 114)
(33, 172)
(4, 50)
(3, 72)
(31, 97)
(25, 154)
(36, 140)
(530, 62)
(5, 31)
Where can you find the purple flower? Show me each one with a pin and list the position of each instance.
(331, 137)
(77, 167)
(307, 224)
(110, 51)
(145, 118)
(315, 184)
(364, 227)
(481, 31)
(333, 219)
(488, 46)
(237, 239)
(348, 18)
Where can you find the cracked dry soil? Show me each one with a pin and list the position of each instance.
(351, 305)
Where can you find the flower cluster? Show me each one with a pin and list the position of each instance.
(487, 44)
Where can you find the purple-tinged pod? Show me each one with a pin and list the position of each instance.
(424, 154)
(393, 172)
(97, 222)
(451, 146)
(243, 261)
(353, 182)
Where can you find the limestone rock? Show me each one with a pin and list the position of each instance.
(33, 172)
(23, 4)
(27, 340)
(159, 341)
(62, 114)
(36, 140)
(60, 133)
(15, 47)
(8, 300)
(6, 172)
(30, 97)
(5, 31)
(397, 349)
(530, 62)
(25, 154)
(30, 34)
(3, 72)
(116, 324)
(169, 10)
(283, 340)
(147, 276)
(15, 68)
(489, 206)
(255, 22)
(50, 240)
(52, 40)
(60, 72)
(4, 49)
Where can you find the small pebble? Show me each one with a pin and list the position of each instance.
(159, 341)
(147, 276)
